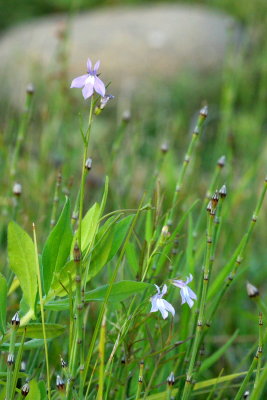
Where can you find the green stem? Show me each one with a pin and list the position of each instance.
(200, 322)
(42, 312)
(187, 159)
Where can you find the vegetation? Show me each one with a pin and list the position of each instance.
(84, 243)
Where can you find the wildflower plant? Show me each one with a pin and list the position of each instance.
(81, 315)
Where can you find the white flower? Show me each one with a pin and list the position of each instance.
(159, 304)
(187, 294)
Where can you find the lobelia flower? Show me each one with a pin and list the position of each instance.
(90, 81)
(159, 304)
(187, 294)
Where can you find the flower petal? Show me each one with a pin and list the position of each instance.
(192, 294)
(169, 307)
(154, 306)
(158, 289)
(88, 90)
(161, 308)
(189, 279)
(186, 297)
(79, 82)
(97, 64)
(99, 87)
(89, 66)
(178, 283)
(164, 290)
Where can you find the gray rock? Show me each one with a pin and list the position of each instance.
(133, 44)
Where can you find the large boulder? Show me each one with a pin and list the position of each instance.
(133, 44)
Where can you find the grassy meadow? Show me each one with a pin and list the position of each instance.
(100, 205)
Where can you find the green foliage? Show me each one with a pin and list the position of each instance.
(35, 330)
(120, 291)
(22, 261)
(57, 247)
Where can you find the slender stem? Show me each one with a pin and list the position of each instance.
(140, 380)
(255, 363)
(42, 312)
(55, 201)
(10, 362)
(200, 322)
(201, 118)
(102, 358)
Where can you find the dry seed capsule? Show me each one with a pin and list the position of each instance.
(204, 111)
(215, 199)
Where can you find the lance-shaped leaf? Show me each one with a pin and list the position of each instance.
(120, 291)
(35, 330)
(21, 254)
(57, 247)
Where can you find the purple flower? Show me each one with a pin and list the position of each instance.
(89, 82)
(159, 304)
(186, 293)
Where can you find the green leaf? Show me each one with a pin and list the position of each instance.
(89, 227)
(35, 331)
(34, 393)
(3, 298)
(22, 261)
(110, 244)
(120, 291)
(42, 389)
(31, 344)
(57, 247)
(132, 258)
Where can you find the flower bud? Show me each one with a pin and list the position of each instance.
(63, 363)
(215, 199)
